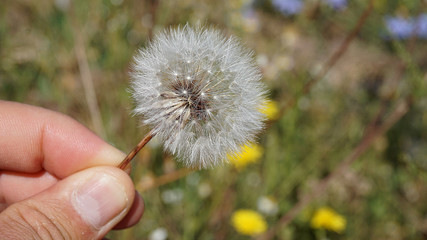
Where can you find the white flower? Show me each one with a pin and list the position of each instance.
(267, 205)
(158, 234)
(200, 92)
(172, 196)
(204, 190)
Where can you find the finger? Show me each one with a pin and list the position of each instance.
(134, 215)
(34, 139)
(15, 187)
(85, 205)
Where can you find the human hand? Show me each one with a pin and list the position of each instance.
(58, 180)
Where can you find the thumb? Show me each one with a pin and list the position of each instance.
(85, 205)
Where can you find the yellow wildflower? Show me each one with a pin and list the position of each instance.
(328, 219)
(248, 222)
(271, 110)
(249, 153)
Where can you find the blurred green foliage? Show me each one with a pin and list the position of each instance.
(383, 195)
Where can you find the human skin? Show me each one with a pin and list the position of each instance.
(58, 180)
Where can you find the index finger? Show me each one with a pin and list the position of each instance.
(34, 139)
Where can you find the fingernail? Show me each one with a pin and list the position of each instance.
(99, 200)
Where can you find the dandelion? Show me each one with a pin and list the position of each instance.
(271, 110)
(249, 153)
(199, 92)
(326, 218)
(248, 222)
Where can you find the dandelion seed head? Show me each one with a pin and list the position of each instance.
(200, 92)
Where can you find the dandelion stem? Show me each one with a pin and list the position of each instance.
(134, 151)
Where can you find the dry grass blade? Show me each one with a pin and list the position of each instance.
(88, 86)
(86, 76)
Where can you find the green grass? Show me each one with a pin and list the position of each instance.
(383, 194)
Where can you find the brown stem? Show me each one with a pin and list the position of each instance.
(164, 179)
(332, 60)
(342, 48)
(134, 151)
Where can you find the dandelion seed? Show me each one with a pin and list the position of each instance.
(209, 94)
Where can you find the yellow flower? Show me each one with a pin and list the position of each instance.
(249, 153)
(271, 110)
(328, 219)
(248, 222)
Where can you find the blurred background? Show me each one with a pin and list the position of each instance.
(344, 154)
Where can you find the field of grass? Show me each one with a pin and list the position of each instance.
(350, 133)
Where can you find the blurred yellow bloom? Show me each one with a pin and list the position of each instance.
(328, 219)
(271, 110)
(249, 153)
(248, 222)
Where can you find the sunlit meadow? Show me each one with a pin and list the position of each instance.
(342, 156)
